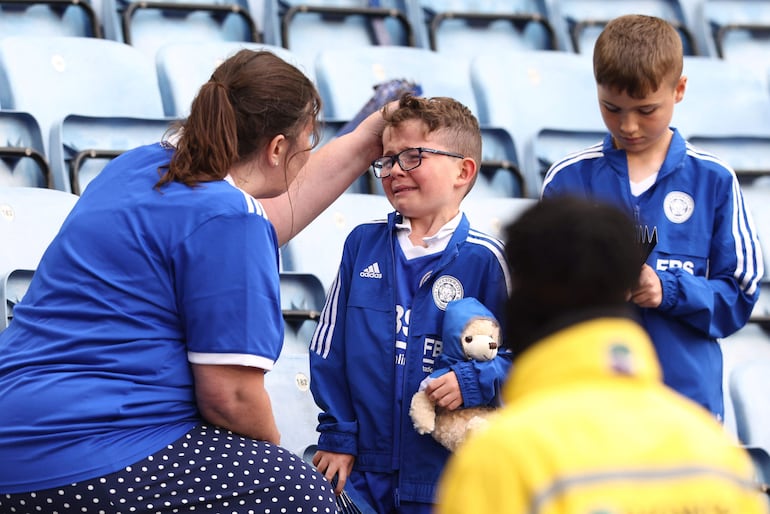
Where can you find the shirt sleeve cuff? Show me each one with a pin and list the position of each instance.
(237, 359)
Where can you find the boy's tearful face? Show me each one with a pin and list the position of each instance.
(428, 192)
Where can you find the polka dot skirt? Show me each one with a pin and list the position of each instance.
(208, 470)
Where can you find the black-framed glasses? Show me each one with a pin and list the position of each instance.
(407, 159)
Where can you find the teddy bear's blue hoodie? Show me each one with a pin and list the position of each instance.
(458, 314)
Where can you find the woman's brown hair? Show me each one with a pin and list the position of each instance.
(250, 98)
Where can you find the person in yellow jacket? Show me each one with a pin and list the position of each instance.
(588, 426)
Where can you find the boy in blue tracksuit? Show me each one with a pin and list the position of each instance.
(381, 327)
(701, 280)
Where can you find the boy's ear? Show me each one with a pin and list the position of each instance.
(679, 89)
(468, 171)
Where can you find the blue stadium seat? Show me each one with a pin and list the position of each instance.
(302, 298)
(737, 30)
(528, 92)
(746, 357)
(549, 145)
(184, 67)
(493, 215)
(748, 155)
(318, 248)
(296, 414)
(471, 27)
(749, 343)
(499, 171)
(346, 77)
(736, 126)
(88, 143)
(30, 217)
(750, 389)
(23, 161)
(148, 25)
(307, 26)
(76, 18)
(749, 45)
(585, 19)
(59, 77)
(724, 99)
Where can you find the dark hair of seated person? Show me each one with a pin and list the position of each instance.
(570, 259)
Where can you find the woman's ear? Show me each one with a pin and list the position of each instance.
(276, 150)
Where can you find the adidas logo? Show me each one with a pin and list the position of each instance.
(371, 271)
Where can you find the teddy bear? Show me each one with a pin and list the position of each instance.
(470, 332)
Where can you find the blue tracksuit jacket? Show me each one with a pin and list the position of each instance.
(352, 352)
(707, 256)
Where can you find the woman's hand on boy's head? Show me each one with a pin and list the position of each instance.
(377, 118)
(372, 128)
(649, 291)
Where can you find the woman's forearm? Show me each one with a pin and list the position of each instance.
(330, 170)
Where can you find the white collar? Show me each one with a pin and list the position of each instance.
(434, 244)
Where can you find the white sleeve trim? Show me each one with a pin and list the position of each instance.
(237, 359)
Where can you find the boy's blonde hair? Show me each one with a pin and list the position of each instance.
(455, 123)
(636, 54)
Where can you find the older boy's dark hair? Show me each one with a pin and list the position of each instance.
(454, 120)
(567, 255)
(635, 54)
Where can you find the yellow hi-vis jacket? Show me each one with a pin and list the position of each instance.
(589, 428)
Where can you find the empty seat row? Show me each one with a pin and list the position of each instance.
(730, 29)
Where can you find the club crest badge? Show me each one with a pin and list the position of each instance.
(621, 359)
(446, 289)
(678, 206)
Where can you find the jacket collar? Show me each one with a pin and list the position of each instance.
(460, 234)
(675, 156)
(434, 244)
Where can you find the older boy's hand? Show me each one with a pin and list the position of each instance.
(331, 464)
(444, 391)
(649, 291)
